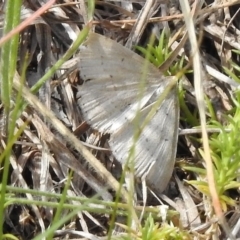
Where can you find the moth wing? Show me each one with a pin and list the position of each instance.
(155, 149)
(109, 95)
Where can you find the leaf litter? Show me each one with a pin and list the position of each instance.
(108, 102)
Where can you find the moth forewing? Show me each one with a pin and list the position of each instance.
(109, 100)
(155, 147)
(112, 100)
(159, 175)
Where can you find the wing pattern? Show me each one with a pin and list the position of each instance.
(109, 99)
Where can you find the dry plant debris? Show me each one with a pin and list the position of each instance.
(41, 158)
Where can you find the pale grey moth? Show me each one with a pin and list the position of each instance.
(109, 100)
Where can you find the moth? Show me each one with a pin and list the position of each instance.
(109, 100)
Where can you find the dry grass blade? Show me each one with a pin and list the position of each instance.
(27, 21)
(104, 174)
(66, 158)
(201, 106)
(141, 23)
